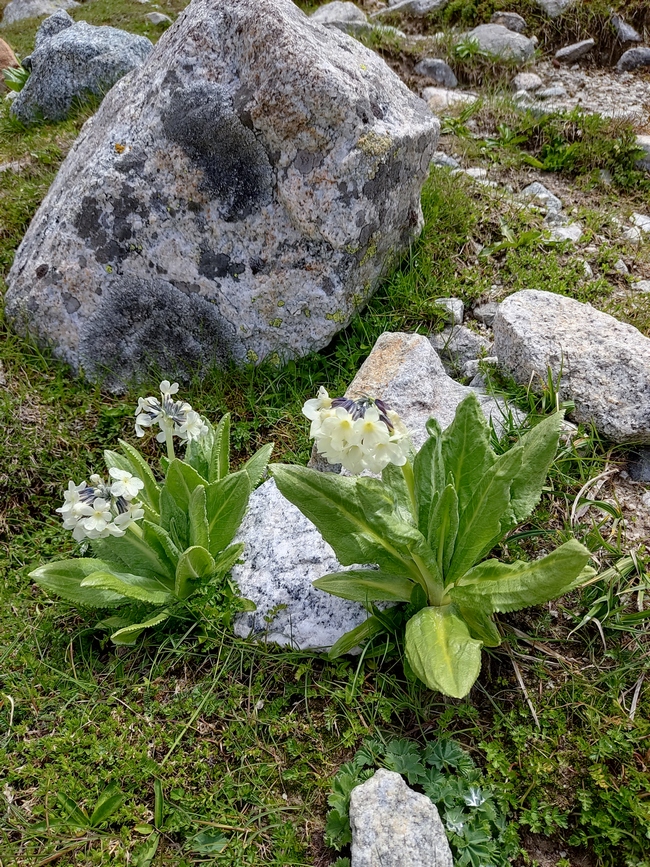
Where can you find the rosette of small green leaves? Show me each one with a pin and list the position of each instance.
(426, 528)
(182, 544)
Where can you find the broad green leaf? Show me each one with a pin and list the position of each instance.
(393, 477)
(145, 852)
(443, 527)
(180, 481)
(208, 843)
(352, 515)
(479, 524)
(141, 469)
(174, 520)
(74, 813)
(199, 452)
(480, 624)
(429, 474)
(166, 547)
(226, 502)
(128, 635)
(134, 553)
(195, 566)
(368, 629)
(107, 803)
(256, 466)
(496, 587)
(132, 586)
(441, 652)
(538, 446)
(366, 585)
(199, 529)
(64, 578)
(226, 559)
(220, 457)
(466, 451)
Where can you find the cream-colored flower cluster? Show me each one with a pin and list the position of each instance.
(174, 417)
(103, 508)
(359, 434)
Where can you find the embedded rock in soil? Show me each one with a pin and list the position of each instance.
(71, 61)
(500, 42)
(283, 554)
(625, 31)
(510, 20)
(440, 98)
(527, 81)
(438, 70)
(604, 364)
(393, 826)
(417, 8)
(259, 164)
(555, 8)
(339, 14)
(643, 143)
(457, 345)
(572, 53)
(17, 10)
(633, 59)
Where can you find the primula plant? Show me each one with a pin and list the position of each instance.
(426, 527)
(155, 543)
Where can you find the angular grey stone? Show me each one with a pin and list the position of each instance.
(283, 554)
(643, 143)
(511, 20)
(624, 31)
(639, 466)
(556, 91)
(555, 8)
(260, 162)
(71, 61)
(605, 363)
(440, 98)
(157, 18)
(500, 42)
(438, 70)
(444, 161)
(458, 345)
(620, 267)
(17, 10)
(485, 313)
(572, 53)
(571, 232)
(454, 309)
(406, 372)
(471, 367)
(542, 197)
(641, 286)
(393, 826)
(633, 59)
(641, 221)
(339, 14)
(528, 81)
(417, 8)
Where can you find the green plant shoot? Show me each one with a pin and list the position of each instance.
(426, 529)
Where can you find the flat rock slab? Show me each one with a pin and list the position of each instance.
(18, 10)
(572, 53)
(498, 41)
(257, 176)
(283, 554)
(72, 61)
(393, 826)
(605, 363)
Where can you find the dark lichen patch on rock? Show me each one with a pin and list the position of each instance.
(201, 119)
(147, 324)
(213, 265)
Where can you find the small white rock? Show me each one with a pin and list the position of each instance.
(620, 267)
(572, 232)
(454, 307)
(157, 18)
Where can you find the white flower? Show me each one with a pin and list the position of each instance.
(370, 430)
(71, 497)
(192, 428)
(339, 428)
(313, 407)
(126, 484)
(135, 512)
(167, 388)
(98, 516)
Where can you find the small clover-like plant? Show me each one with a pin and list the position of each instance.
(477, 829)
(155, 543)
(426, 528)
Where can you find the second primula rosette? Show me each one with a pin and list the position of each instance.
(363, 434)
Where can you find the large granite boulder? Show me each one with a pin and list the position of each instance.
(17, 10)
(604, 363)
(260, 171)
(497, 41)
(393, 826)
(72, 61)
